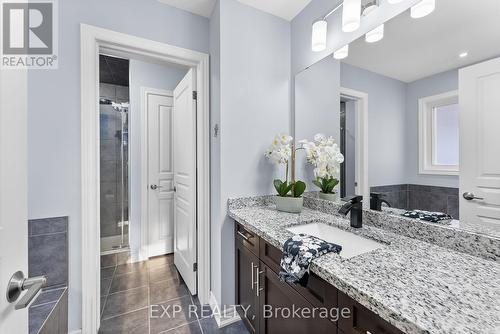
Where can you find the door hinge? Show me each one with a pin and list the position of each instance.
(195, 266)
(195, 95)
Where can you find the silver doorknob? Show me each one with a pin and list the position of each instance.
(470, 196)
(19, 283)
(154, 186)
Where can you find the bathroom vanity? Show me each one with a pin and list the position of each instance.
(403, 285)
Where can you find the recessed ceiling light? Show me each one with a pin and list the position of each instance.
(463, 54)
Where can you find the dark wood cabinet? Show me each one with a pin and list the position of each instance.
(278, 301)
(247, 265)
(265, 300)
(362, 320)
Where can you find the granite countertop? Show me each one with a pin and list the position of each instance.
(416, 286)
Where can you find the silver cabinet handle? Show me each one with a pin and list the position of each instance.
(259, 272)
(19, 283)
(251, 269)
(154, 186)
(470, 196)
(243, 236)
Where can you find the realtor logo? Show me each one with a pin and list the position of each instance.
(29, 37)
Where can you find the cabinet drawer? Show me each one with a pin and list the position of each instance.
(248, 239)
(317, 292)
(362, 320)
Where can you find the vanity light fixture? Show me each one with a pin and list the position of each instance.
(463, 54)
(319, 30)
(341, 53)
(423, 8)
(375, 35)
(351, 15)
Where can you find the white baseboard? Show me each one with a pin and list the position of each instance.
(224, 316)
(78, 331)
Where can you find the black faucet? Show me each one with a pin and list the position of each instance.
(355, 206)
(376, 201)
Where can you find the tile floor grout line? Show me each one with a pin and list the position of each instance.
(125, 313)
(176, 327)
(137, 287)
(106, 295)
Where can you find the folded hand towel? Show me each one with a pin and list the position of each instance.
(433, 217)
(298, 252)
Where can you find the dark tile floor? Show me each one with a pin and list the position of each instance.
(151, 298)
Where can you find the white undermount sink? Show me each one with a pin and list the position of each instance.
(352, 244)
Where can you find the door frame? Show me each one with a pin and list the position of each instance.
(361, 109)
(95, 40)
(145, 91)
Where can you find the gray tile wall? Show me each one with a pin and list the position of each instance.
(48, 250)
(414, 196)
(110, 160)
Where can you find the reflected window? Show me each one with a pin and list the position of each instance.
(439, 134)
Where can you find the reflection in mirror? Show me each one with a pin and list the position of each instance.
(430, 88)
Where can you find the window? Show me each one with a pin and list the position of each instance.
(439, 134)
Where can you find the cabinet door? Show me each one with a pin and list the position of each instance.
(277, 300)
(362, 320)
(246, 295)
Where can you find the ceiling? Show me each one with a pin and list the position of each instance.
(286, 9)
(417, 48)
(113, 70)
(199, 7)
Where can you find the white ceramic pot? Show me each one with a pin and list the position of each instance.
(334, 197)
(289, 204)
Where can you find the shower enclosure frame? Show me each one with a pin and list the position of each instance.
(95, 40)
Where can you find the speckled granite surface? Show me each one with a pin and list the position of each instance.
(416, 286)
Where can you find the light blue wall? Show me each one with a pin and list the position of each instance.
(386, 123)
(317, 109)
(254, 106)
(147, 75)
(54, 108)
(436, 84)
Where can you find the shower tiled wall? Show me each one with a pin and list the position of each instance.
(415, 196)
(110, 160)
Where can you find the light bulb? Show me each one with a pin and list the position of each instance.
(351, 15)
(319, 30)
(341, 53)
(423, 8)
(375, 35)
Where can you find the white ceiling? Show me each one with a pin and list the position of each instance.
(286, 9)
(199, 7)
(414, 49)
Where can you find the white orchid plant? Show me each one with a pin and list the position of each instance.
(282, 152)
(324, 154)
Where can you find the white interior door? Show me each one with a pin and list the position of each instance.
(13, 193)
(160, 173)
(185, 180)
(479, 99)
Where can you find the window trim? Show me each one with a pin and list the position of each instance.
(426, 127)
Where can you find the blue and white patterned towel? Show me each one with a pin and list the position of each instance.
(433, 217)
(298, 252)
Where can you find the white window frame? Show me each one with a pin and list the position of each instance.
(426, 130)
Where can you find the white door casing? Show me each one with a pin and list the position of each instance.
(479, 102)
(13, 192)
(93, 41)
(160, 172)
(184, 130)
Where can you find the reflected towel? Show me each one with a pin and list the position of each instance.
(433, 217)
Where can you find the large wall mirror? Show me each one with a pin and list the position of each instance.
(416, 115)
